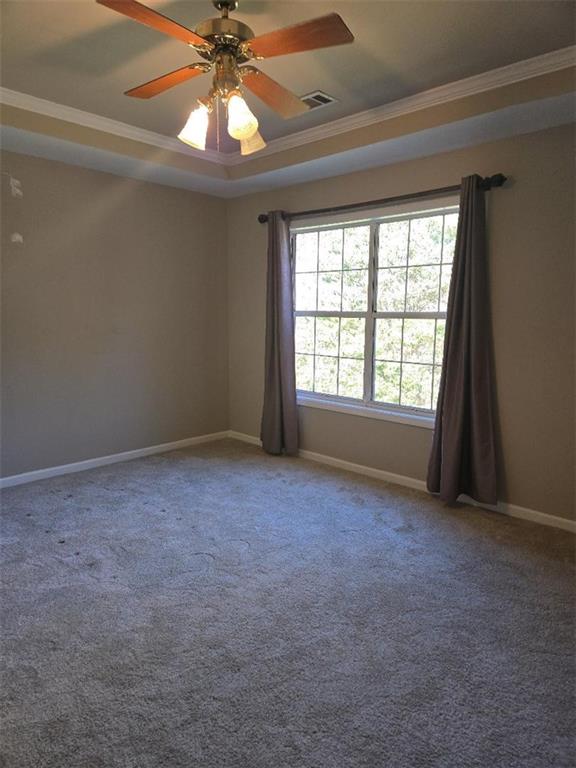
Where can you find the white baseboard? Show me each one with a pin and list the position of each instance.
(361, 469)
(524, 513)
(244, 438)
(513, 510)
(101, 461)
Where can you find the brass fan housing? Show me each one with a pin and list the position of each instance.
(224, 34)
(226, 75)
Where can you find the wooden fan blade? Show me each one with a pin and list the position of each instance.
(162, 83)
(144, 15)
(316, 33)
(277, 97)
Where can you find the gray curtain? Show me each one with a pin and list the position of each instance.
(463, 456)
(279, 432)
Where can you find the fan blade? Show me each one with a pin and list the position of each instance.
(316, 33)
(144, 15)
(162, 83)
(272, 93)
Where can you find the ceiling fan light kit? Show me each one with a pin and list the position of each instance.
(252, 144)
(242, 123)
(196, 127)
(226, 44)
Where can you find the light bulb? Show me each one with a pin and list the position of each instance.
(196, 128)
(242, 124)
(253, 144)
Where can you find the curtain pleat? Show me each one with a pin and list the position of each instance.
(463, 457)
(279, 432)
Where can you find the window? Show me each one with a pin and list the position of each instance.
(370, 305)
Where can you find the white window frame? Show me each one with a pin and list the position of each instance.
(367, 406)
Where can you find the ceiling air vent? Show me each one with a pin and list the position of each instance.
(317, 99)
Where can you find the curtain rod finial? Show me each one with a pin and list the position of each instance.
(489, 182)
(263, 218)
(498, 180)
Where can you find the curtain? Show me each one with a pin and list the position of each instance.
(279, 432)
(463, 456)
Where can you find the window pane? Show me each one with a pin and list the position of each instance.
(423, 289)
(351, 378)
(305, 372)
(306, 252)
(393, 244)
(425, 240)
(418, 341)
(304, 335)
(352, 337)
(326, 375)
(440, 328)
(327, 335)
(355, 290)
(416, 385)
(414, 263)
(388, 339)
(387, 382)
(306, 291)
(436, 385)
(450, 227)
(356, 247)
(330, 250)
(391, 289)
(329, 290)
(445, 286)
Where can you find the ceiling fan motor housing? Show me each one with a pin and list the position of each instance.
(224, 34)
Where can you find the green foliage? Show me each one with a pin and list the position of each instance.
(387, 382)
(352, 337)
(423, 289)
(330, 250)
(306, 252)
(329, 291)
(425, 240)
(415, 264)
(391, 289)
(416, 385)
(354, 290)
(326, 375)
(356, 247)
(393, 240)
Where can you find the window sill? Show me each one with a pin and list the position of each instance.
(424, 421)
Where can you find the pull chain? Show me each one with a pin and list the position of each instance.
(217, 123)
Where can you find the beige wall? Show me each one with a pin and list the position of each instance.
(116, 336)
(532, 279)
(114, 315)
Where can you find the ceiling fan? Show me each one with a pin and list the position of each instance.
(227, 44)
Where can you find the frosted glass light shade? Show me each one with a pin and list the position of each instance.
(242, 124)
(196, 128)
(253, 144)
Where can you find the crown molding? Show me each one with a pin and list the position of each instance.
(514, 120)
(105, 124)
(495, 78)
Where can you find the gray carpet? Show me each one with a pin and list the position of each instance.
(217, 608)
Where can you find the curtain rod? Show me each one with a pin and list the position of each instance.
(486, 183)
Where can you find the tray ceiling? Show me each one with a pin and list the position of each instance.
(82, 55)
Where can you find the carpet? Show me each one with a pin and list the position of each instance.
(219, 608)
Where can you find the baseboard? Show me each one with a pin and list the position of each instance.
(512, 510)
(524, 513)
(244, 438)
(101, 461)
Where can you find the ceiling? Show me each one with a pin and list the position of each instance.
(83, 55)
